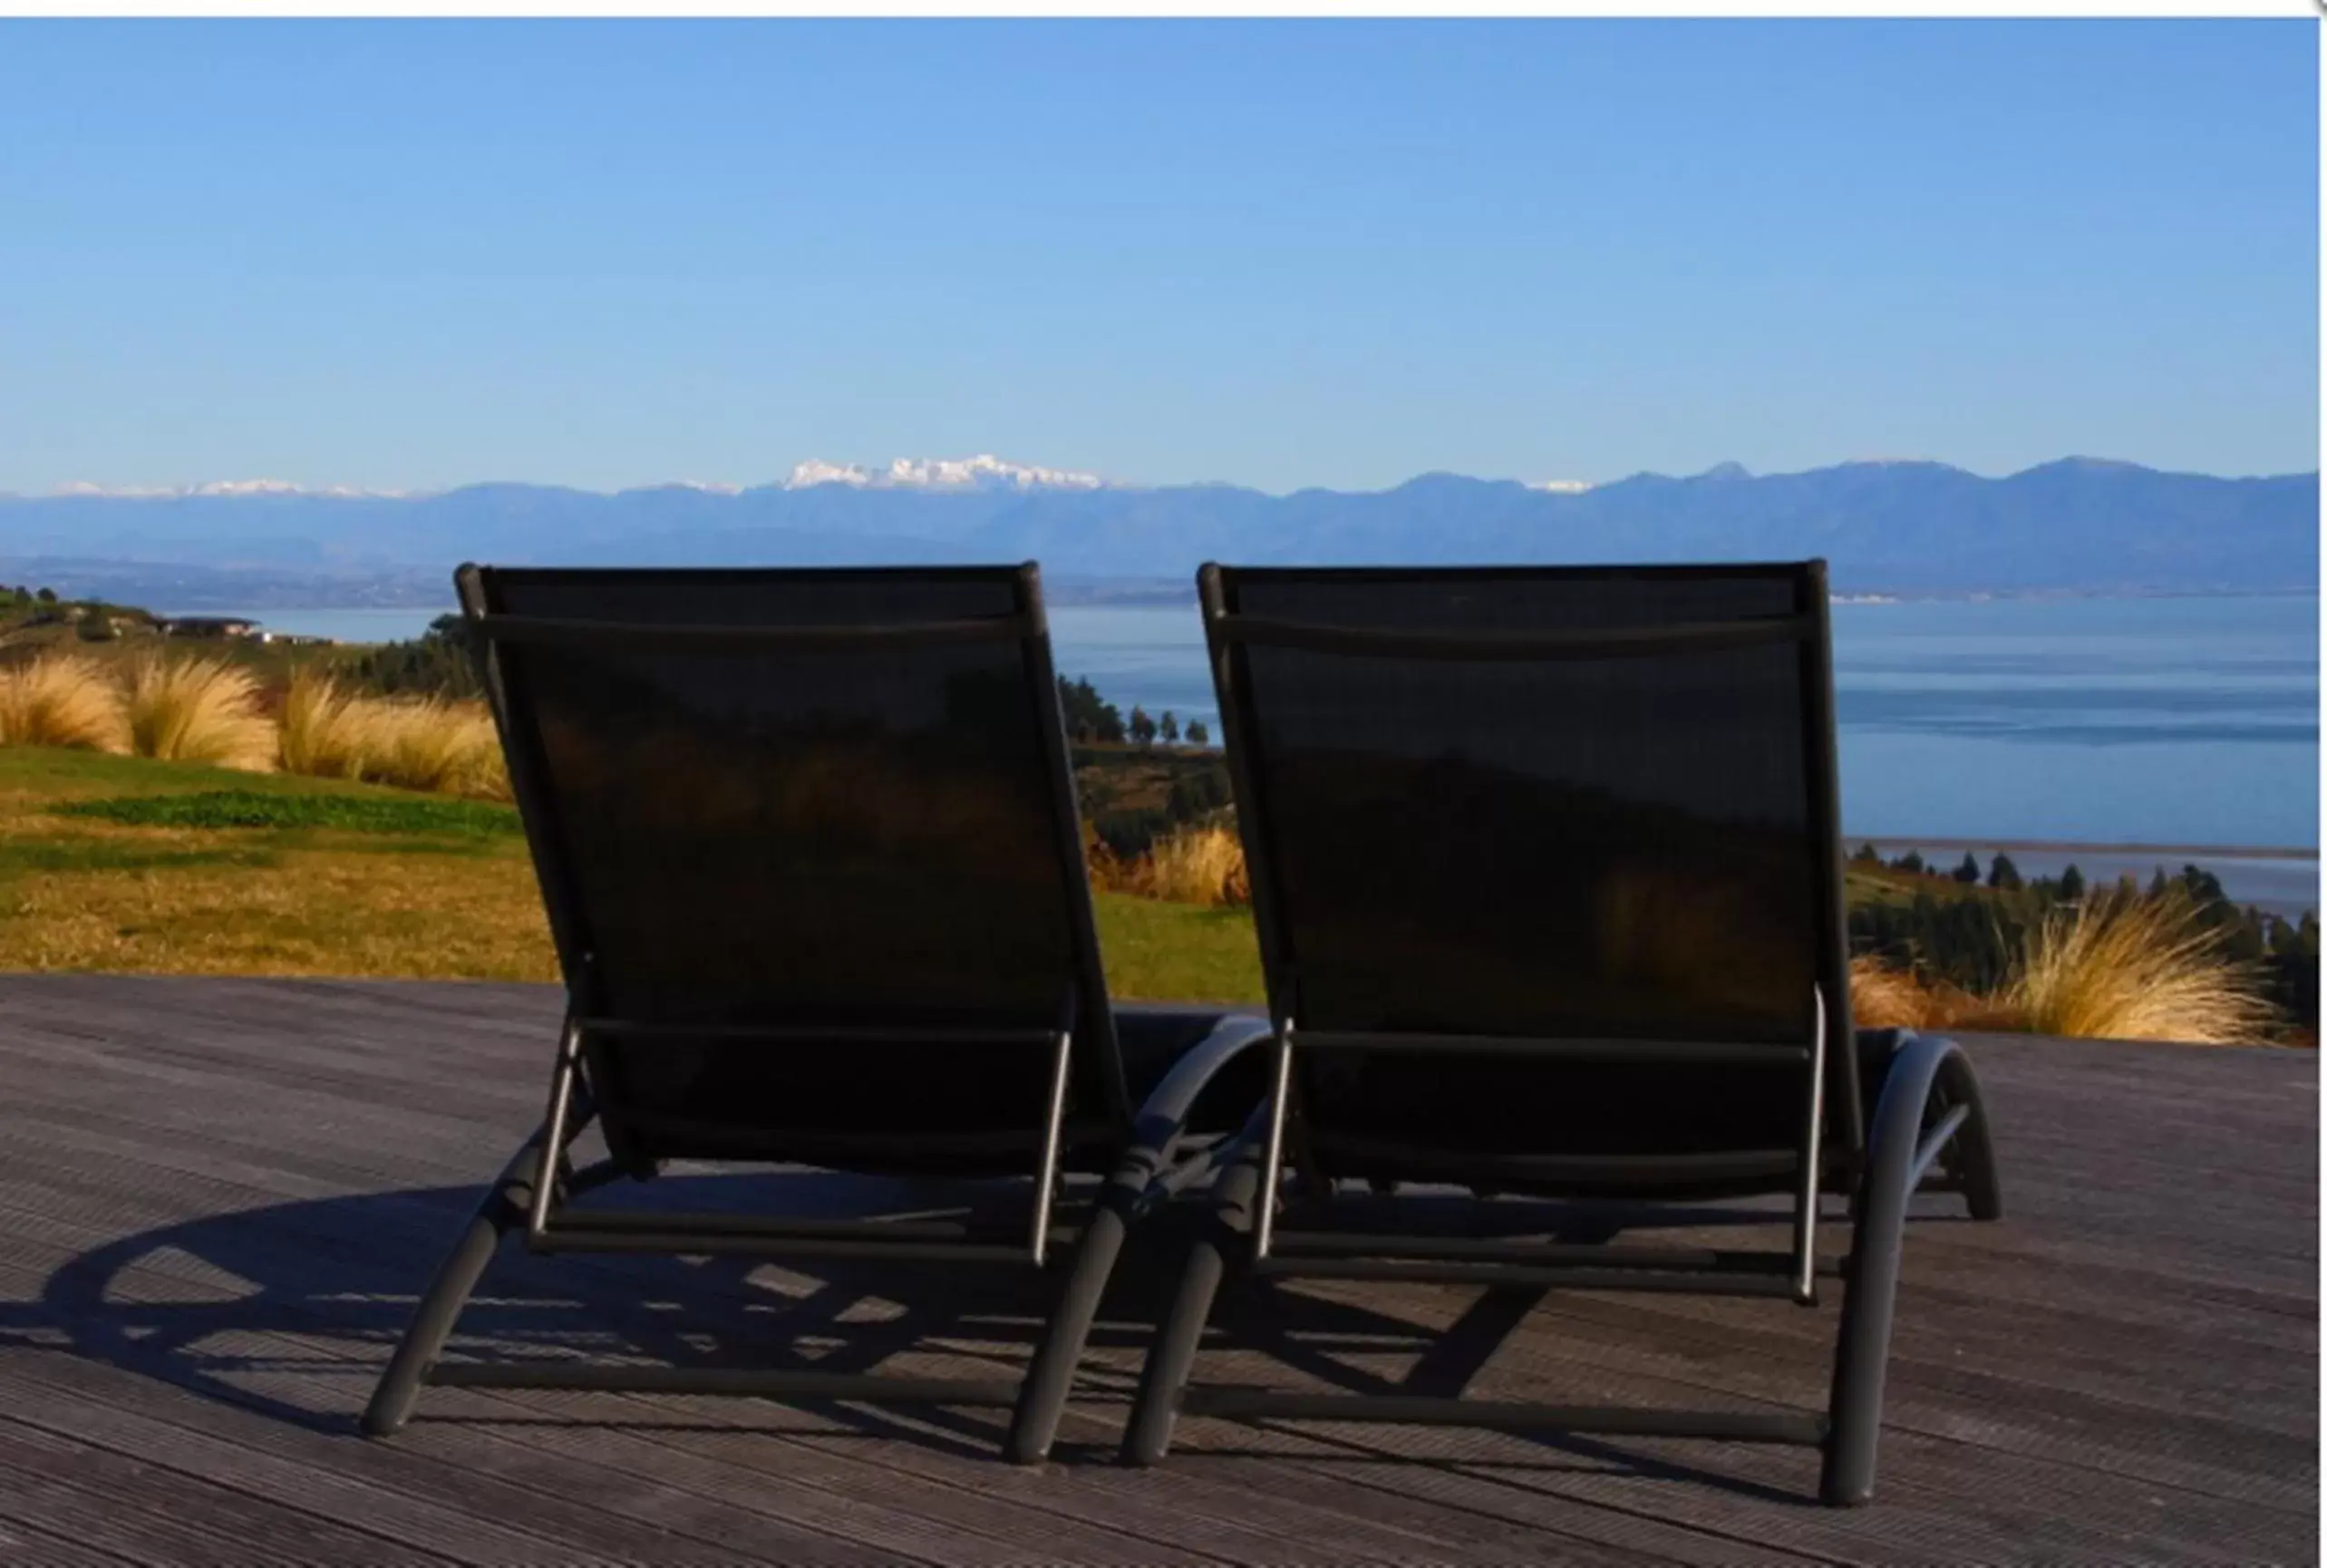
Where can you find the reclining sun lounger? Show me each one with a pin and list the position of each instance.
(810, 849)
(1547, 872)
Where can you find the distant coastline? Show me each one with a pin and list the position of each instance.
(1887, 842)
(2283, 882)
(2123, 732)
(223, 591)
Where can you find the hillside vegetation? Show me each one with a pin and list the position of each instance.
(37, 620)
(119, 863)
(112, 678)
(1976, 947)
(111, 862)
(125, 864)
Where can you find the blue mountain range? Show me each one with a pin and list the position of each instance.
(2078, 524)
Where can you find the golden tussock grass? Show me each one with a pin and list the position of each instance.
(434, 744)
(62, 699)
(321, 732)
(1108, 872)
(1885, 996)
(198, 709)
(2120, 968)
(415, 743)
(1199, 865)
(2112, 968)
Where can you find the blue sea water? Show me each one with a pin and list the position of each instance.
(2153, 721)
(2183, 721)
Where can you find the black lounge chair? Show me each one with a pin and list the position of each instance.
(813, 867)
(1549, 883)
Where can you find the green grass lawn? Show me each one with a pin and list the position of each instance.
(123, 864)
(1167, 952)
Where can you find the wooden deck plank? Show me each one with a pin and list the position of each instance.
(1291, 1518)
(542, 1506)
(1217, 1536)
(240, 1455)
(298, 1249)
(158, 1507)
(24, 1543)
(842, 1509)
(216, 1198)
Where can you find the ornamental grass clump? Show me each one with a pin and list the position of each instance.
(413, 743)
(198, 709)
(2116, 967)
(1892, 996)
(1203, 865)
(62, 700)
(322, 733)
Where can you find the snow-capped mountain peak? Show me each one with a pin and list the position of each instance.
(984, 471)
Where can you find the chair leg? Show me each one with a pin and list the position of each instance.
(1146, 1172)
(503, 1210)
(1042, 1398)
(1974, 1150)
(1155, 1408)
(1896, 1159)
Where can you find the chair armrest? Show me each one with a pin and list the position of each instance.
(1157, 1130)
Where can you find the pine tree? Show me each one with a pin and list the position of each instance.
(1089, 716)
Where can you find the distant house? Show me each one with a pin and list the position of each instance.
(295, 639)
(207, 627)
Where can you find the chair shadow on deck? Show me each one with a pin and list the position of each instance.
(330, 1280)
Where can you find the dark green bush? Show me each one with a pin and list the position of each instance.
(438, 663)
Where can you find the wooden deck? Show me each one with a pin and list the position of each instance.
(218, 1197)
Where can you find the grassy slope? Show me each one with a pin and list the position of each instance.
(84, 893)
(88, 893)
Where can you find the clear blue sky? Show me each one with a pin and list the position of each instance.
(413, 255)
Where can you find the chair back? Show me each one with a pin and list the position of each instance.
(811, 858)
(1546, 865)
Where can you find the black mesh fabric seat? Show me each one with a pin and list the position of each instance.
(1547, 878)
(1597, 847)
(810, 853)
